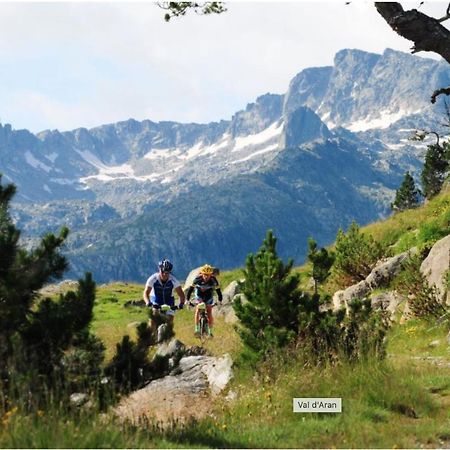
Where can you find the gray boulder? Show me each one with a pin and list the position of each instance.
(436, 264)
(230, 294)
(231, 291)
(182, 396)
(170, 348)
(386, 270)
(381, 274)
(341, 298)
(388, 301)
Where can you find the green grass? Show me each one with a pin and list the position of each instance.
(112, 319)
(402, 402)
(419, 226)
(380, 401)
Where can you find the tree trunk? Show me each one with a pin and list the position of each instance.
(426, 32)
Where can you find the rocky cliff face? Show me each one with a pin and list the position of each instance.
(332, 149)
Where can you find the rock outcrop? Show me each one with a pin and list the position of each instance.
(436, 264)
(229, 295)
(184, 394)
(381, 274)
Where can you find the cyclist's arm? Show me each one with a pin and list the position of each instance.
(146, 294)
(189, 293)
(219, 295)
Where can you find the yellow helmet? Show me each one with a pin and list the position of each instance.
(206, 270)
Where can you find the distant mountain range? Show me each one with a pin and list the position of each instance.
(331, 150)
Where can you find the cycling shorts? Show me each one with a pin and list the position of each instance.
(200, 300)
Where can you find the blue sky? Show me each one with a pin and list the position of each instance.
(67, 65)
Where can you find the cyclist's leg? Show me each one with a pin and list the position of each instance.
(197, 320)
(210, 316)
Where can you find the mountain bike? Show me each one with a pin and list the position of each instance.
(203, 321)
(162, 332)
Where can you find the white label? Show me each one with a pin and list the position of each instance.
(317, 405)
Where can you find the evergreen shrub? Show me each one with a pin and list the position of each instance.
(424, 300)
(38, 335)
(275, 314)
(356, 255)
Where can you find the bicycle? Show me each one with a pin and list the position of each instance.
(203, 321)
(163, 332)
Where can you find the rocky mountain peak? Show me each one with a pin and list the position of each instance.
(303, 125)
(354, 58)
(307, 89)
(257, 116)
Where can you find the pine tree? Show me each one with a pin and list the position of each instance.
(407, 195)
(434, 169)
(269, 318)
(356, 254)
(321, 260)
(276, 313)
(34, 333)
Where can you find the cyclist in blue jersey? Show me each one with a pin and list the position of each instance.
(159, 290)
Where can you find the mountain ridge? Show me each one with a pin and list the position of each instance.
(271, 156)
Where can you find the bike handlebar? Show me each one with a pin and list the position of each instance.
(154, 305)
(195, 304)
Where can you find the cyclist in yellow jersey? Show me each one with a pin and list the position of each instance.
(204, 284)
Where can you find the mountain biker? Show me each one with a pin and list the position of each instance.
(204, 284)
(159, 291)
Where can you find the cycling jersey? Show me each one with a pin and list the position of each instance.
(162, 292)
(204, 289)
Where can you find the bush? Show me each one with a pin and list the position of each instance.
(329, 336)
(431, 232)
(277, 313)
(130, 367)
(36, 336)
(321, 260)
(424, 300)
(356, 255)
(269, 318)
(363, 332)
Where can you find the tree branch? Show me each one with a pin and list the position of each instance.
(447, 15)
(176, 9)
(426, 32)
(437, 92)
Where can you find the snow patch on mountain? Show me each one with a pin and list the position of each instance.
(384, 120)
(52, 157)
(154, 163)
(35, 163)
(270, 148)
(271, 132)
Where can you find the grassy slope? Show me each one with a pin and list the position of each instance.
(403, 402)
